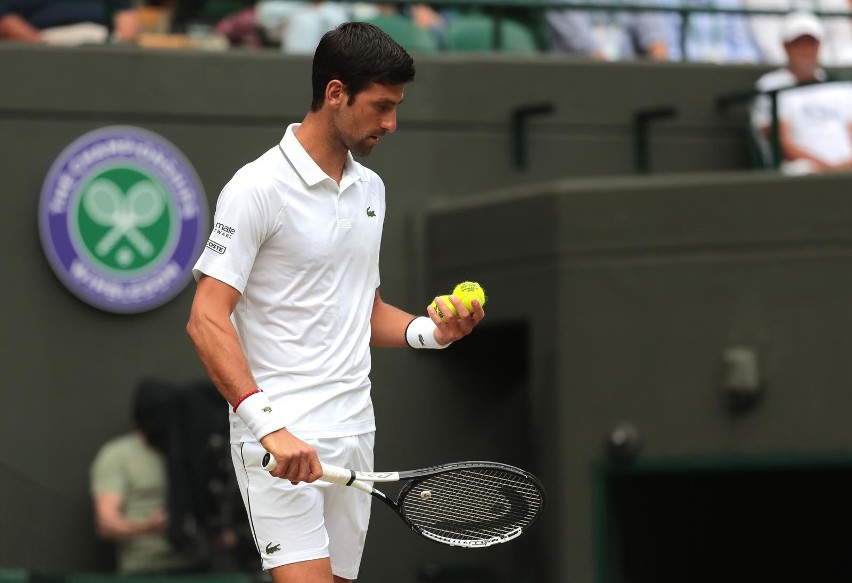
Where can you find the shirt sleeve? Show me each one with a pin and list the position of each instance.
(242, 221)
(107, 474)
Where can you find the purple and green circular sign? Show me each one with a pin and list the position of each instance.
(123, 217)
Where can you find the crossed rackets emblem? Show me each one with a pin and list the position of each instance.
(107, 205)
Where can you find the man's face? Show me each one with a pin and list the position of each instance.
(372, 115)
(803, 55)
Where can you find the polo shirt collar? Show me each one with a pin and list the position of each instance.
(305, 166)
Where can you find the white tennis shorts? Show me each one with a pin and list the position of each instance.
(307, 521)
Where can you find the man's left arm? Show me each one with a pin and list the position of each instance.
(389, 323)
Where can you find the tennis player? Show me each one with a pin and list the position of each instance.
(288, 304)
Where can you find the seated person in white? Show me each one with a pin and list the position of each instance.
(814, 121)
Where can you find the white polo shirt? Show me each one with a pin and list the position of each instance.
(819, 115)
(304, 254)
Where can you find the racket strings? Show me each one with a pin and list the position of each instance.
(473, 504)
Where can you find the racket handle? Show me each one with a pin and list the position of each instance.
(333, 474)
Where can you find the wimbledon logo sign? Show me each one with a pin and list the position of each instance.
(123, 218)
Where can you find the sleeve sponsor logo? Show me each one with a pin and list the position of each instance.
(214, 246)
(224, 230)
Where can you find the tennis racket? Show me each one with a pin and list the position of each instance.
(464, 504)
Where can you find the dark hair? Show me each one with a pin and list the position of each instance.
(358, 54)
(155, 410)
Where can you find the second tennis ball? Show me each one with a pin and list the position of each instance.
(446, 300)
(470, 290)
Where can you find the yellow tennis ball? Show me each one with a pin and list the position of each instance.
(470, 290)
(446, 300)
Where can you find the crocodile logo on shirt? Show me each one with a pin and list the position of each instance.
(370, 212)
(267, 409)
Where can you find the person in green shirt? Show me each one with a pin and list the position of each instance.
(129, 486)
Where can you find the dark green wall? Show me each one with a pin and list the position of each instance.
(634, 289)
(524, 388)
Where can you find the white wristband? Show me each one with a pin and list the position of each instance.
(421, 334)
(257, 413)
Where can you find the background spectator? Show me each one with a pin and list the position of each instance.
(60, 22)
(606, 34)
(298, 26)
(130, 487)
(814, 122)
(710, 37)
(836, 43)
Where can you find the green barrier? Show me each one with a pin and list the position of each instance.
(201, 578)
(14, 576)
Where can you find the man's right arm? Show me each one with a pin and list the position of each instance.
(790, 150)
(111, 524)
(216, 341)
(218, 346)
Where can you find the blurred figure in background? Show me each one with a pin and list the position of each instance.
(60, 22)
(433, 19)
(298, 26)
(129, 485)
(709, 37)
(815, 121)
(836, 44)
(606, 34)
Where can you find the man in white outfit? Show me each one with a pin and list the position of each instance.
(288, 305)
(814, 121)
(836, 43)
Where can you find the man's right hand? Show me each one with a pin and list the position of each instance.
(297, 461)
(157, 523)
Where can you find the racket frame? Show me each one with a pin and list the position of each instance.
(364, 481)
(361, 481)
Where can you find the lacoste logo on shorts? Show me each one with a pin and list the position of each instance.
(270, 549)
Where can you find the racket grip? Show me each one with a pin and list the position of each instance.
(333, 474)
(337, 475)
